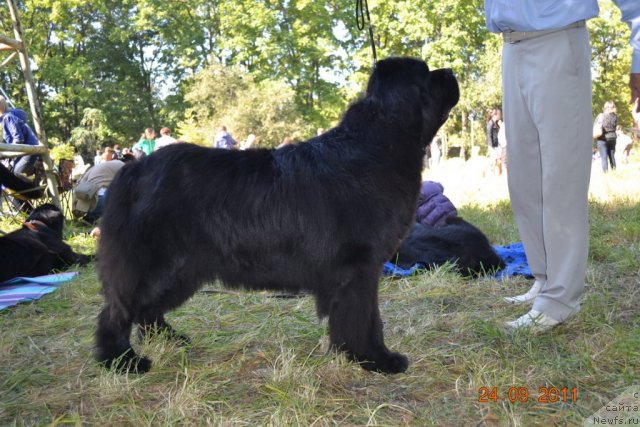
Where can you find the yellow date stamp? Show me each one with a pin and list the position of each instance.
(524, 394)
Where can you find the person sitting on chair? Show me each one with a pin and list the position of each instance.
(89, 194)
(15, 130)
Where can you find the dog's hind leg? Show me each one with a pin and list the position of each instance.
(152, 322)
(356, 328)
(113, 346)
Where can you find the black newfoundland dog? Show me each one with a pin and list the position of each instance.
(322, 216)
(37, 248)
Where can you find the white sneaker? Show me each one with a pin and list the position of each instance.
(534, 320)
(528, 297)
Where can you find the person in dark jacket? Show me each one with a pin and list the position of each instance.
(223, 139)
(494, 122)
(15, 130)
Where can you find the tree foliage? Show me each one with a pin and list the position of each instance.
(226, 95)
(140, 62)
(92, 133)
(611, 61)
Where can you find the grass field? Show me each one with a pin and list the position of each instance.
(258, 360)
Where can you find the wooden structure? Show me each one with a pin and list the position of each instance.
(19, 48)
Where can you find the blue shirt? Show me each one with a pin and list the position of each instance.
(224, 140)
(538, 15)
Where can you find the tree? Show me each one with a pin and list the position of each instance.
(447, 34)
(611, 61)
(228, 95)
(135, 60)
(91, 134)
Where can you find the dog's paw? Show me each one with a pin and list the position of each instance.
(128, 363)
(139, 365)
(389, 363)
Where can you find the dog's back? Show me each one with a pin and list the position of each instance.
(257, 218)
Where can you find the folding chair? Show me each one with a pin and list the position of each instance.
(65, 186)
(16, 202)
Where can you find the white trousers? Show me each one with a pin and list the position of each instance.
(547, 113)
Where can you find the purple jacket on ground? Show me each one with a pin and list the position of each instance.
(433, 206)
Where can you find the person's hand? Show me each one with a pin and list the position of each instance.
(95, 233)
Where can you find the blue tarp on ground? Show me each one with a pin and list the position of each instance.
(30, 288)
(513, 255)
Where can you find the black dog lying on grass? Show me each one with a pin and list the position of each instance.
(37, 248)
(321, 216)
(457, 242)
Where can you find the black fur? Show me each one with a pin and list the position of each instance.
(456, 242)
(37, 248)
(321, 216)
(22, 185)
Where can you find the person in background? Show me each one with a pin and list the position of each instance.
(286, 141)
(90, 192)
(147, 142)
(502, 141)
(604, 129)
(165, 139)
(436, 151)
(107, 155)
(15, 130)
(98, 157)
(117, 153)
(546, 87)
(223, 139)
(494, 120)
(250, 142)
(626, 142)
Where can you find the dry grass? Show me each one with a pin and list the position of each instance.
(257, 360)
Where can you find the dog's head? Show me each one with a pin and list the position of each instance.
(410, 95)
(50, 215)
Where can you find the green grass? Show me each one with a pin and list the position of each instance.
(257, 360)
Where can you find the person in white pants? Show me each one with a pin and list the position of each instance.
(547, 111)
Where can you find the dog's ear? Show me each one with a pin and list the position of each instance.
(397, 85)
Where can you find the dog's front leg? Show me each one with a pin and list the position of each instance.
(356, 328)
